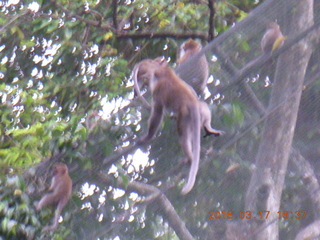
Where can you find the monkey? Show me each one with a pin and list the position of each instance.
(272, 38)
(171, 93)
(201, 73)
(205, 113)
(200, 67)
(144, 78)
(60, 193)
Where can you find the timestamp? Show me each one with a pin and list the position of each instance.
(220, 215)
(258, 215)
(289, 214)
(266, 214)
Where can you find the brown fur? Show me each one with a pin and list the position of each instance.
(60, 193)
(199, 77)
(171, 93)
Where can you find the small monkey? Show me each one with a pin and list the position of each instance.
(272, 39)
(200, 70)
(60, 193)
(170, 93)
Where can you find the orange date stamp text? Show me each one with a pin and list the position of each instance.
(257, 215)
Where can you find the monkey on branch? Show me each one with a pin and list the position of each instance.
(172, 94)
(198, 77)
(59, 193)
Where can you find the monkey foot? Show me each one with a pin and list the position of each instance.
(215, 133)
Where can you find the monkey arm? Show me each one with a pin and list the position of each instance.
(52, 185)
(154, 122)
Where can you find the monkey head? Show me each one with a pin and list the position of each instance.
(190, 46)
(60, 169)
(143, 72)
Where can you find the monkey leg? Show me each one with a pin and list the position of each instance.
(210, 131)
(206, 121)
(57, 214)
(187, 150)
(185, 139)
(46, 200)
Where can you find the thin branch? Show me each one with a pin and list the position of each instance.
(3, 29)
(87, 21)
(232, 70)
(154, 35)
(154, 194)
(115, 14)
(211, 19)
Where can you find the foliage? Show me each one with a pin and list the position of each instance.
(18, 220)
(66, 93)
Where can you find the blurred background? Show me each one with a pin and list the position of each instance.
(66, 95)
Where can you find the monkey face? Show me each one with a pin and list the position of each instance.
(55, 171)
(59, 168)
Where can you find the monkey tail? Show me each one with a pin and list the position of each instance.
(196, 128)
(137, 92)
(135, 80)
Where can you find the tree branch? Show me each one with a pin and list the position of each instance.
(312, 231)
(211, 19)
(3, 29)
(85, 20)
(153, 194)
(115, 14)
(154, 35)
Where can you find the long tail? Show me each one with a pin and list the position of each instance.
(196, 128)
(136, 87)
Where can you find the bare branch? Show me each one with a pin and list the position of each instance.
(153, 35)
(3, 29)
(154, 194)
(211, 19)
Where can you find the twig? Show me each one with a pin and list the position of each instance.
(13, 20)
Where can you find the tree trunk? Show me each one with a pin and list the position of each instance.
(266, 185)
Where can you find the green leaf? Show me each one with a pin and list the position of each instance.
(237, 114)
